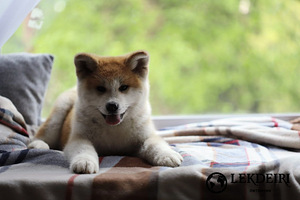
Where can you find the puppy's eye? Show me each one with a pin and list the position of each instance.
(123, 88)
(101, 89)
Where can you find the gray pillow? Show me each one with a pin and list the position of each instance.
(23, 79)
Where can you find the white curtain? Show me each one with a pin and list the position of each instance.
(12, 13)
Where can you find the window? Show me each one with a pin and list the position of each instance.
(206, 56)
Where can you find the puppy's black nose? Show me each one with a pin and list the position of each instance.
(112, 107)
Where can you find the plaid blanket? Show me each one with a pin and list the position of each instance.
(7, 118)
(244, 158)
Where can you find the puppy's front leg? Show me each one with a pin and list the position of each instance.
(157, 152)
(82, 156)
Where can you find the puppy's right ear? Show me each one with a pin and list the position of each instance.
(85, 65)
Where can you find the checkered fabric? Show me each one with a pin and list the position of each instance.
(244, 158)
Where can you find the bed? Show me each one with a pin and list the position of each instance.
(252, 157)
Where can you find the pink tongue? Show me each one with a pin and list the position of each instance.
(113, 119)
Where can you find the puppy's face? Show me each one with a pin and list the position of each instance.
(112, 86)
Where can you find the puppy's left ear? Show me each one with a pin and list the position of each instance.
(138, 63)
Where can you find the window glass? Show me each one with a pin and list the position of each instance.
(206, 56)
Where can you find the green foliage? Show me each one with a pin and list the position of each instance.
(206, 56)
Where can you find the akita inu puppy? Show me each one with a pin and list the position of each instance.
(107, 114)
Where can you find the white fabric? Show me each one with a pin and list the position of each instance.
(12, 13)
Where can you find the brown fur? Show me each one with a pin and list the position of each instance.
(66, 130)
(110, 68)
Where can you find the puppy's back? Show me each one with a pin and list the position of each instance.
(55, 131)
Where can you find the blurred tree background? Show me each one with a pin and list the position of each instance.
(207, 56)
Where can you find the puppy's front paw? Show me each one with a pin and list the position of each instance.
(84, 164)
(168, 158)
(38, 144)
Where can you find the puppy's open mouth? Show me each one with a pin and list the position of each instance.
(113, 119)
